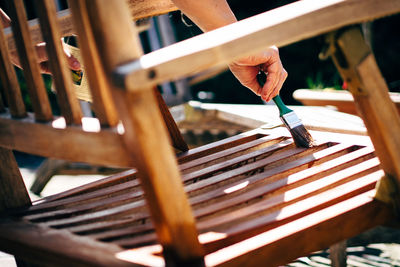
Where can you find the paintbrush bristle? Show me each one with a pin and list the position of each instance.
(301, 137)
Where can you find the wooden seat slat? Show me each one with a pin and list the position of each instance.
(136, 211)
(98, 195)
(348, 157)
(115, 179)
(279, 211)
(236, 220)
(85, 208)
(287, 171)
(234, 174)
(361, 212)
(227, 154)
(218, 146)
(283, 197)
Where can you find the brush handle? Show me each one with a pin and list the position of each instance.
(283, 109)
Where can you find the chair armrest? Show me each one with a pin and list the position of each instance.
(281, 26)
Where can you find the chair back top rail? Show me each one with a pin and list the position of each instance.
(281, 26)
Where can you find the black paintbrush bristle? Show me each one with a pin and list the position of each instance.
(301, 137)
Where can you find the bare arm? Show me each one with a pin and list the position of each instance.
(212, 14)
(207, 14)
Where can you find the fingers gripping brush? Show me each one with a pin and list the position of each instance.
(301, 137)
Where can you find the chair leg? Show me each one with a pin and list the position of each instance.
(46, 170)
(338, 255)
(357, 66)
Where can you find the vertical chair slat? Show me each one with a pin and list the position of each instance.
(27, 55)
(10, 82)
(146, 137)
(102, 101)
(67, 101)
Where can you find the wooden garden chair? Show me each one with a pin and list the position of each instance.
(253, 199)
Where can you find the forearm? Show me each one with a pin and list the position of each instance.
(207, 14)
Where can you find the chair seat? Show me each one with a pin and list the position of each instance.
(252, 193)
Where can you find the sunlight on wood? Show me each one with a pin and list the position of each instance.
(211, 236)
(144, 255)
(236, 187)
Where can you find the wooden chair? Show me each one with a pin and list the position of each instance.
(252, 199)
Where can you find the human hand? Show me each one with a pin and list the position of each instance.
(42, 58)
(268, 61)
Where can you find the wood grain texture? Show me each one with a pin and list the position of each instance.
(116, 179)
(67, 100)
(361, 212)
(338, 255)
(27, 55)
(103, 105)
(28, 239)
(293, 187)
(47, 169)
(13, 193)
(219, 146)
(228, 153)
(259, 204)
(146, 137)
(282, 26)
(9, 82)
(372, 99)
(176, 137)
(63, 19)
(13, 136)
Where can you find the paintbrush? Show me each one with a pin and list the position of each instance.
(301, 137)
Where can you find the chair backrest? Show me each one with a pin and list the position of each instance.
(130, 130)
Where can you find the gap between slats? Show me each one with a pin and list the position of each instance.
(338, 148)
(76, 220)
(262, 203)
(269, 218)
(28, 58)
